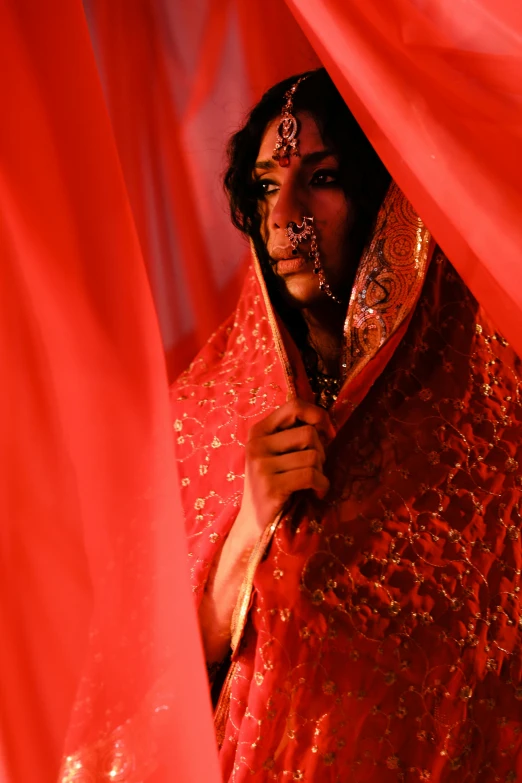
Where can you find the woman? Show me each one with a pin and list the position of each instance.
(349, 446)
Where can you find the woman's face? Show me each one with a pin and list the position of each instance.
(309, 186)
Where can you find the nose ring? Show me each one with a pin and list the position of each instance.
(302, 232)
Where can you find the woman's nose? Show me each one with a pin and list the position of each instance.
(289, 207)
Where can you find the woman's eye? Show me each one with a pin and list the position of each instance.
(265, 187)
(325, 177)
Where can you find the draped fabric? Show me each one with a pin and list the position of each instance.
(435, 85)
(179, 78)
(115, 117)
(379, 632)
(95, 605)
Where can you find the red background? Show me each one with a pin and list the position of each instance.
(111, 151)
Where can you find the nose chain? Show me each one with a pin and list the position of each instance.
(302, 232)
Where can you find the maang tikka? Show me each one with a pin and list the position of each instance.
(287, 143)
(305, 232)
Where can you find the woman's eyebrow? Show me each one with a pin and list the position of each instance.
(311, 157)
(266, 165)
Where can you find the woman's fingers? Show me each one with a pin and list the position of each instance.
(285, 454)
(278, 477)
(310, 458)
(294, 413)
(292, 481)
(295, 439)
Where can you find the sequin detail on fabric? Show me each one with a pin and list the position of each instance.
(384, 637)
(388, 282)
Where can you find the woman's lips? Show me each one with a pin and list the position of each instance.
(287, 266)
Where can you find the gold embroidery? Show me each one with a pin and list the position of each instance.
(128, 754)
(450, 543)
(239, 616)
(278, 341)
(223, 705)
(388, 282)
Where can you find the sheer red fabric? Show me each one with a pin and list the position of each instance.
(437, 87)
(85, 201)
(179, 79)
(95, 604)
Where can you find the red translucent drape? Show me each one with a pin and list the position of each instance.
(436, 84)
(116, 113)
(179, 78)
(95, 606)
(437, 87)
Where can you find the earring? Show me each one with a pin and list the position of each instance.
(300, 233)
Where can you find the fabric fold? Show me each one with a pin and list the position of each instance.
(436, 88)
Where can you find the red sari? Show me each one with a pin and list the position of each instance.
(378, 632)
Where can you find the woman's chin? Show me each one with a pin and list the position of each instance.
(302, 290)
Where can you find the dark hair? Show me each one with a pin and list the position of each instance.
(362, 174)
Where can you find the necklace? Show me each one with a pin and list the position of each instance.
(325, 387)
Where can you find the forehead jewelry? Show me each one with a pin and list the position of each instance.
(304, 232)
(287, 143)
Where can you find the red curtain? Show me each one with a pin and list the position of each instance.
(179, 79)
(95, 606)
(436, 84)
(437, 87)
(111, 150)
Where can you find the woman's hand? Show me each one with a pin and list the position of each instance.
(284, 454)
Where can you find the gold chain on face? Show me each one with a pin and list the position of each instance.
(302, 232)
